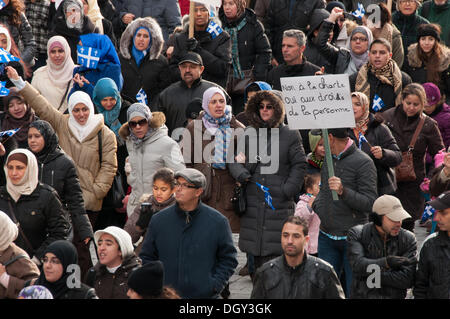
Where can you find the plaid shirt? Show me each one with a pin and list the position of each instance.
(37, 15)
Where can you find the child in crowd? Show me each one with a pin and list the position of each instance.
(162, 197)
(304, 210)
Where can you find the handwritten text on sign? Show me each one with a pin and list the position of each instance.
(314, 102)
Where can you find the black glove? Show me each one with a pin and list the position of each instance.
(396, 262)
(192, 44)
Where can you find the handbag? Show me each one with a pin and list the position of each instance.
(236, 86)
(239, 200)
(404, 172)
(116, 193)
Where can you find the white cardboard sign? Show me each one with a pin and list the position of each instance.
(316, 102)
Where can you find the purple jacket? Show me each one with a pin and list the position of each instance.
(442, 117)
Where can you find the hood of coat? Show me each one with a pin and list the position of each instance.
(157, 121)
(252, 110)
(415, 62)
(156, 33)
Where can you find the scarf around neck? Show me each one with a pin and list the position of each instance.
(237, 69)
(137, 54)
(222, 136)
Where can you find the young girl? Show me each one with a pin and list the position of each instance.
(162, 197)
(304, 210)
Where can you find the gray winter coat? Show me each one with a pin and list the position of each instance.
(359, 178)
(23, 37)
(166, 12)
(260, 232)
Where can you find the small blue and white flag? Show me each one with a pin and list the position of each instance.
(214, 29)
(427, 213)
(362, 139)
(359, 12)
(267, 196)
(377, 103)
(141, 96)
(2, 4)
(3, 90)
(6, 57)
(9, 133)
(88, 56)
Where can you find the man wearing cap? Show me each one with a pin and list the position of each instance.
(433, 275)
(192, 240)
(174, 100)
(355, 182)
(210, 41)
(382, 254)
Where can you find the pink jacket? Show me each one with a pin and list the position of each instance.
(304, 211)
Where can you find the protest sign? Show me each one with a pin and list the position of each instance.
(317, 102)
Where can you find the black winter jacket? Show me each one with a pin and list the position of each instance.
(358, 175)
(279, 19)
(433, 273)
(58, 171)
(283, 70)
(253, 45)
(378, 134)
(365, 248)
(407, 25)
(41, 217)
(314, 278)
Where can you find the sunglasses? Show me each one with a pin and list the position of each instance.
(264, 106)
(142, 122)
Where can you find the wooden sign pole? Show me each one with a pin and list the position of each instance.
(191, 19)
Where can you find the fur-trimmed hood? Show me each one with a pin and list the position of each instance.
(156, 33)
(252, 110)
(158, 120)
(415, 62)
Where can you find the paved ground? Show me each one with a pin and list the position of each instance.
(241, 287)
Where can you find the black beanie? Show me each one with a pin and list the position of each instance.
(427, 30)
(148, 280)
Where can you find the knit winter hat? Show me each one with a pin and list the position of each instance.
(148, 280)
(433, 93)
(8, 231)
(121, 236)
(314, 138)
(138, 109)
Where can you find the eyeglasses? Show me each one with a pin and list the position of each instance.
(142, 122)
(184, 185)
(265, 106)
(53, 261)
(360, 39)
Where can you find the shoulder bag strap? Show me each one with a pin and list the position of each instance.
(9, 262)
(64, 96)
(13, 216)
(100, 150)
(416, 133)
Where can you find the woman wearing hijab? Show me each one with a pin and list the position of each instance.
(346, 60)
(8, 44)
(19, 267)
(17, 114)
(79, 133)
(54, 80)
(108, 65)
(92, 11)
(381, 146)
(71, 22)
(35, 206)
(57, 170)
(108, 102)
(143, 65)
(218, 122)
(58, 269)
(149, 148)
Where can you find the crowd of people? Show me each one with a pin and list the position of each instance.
(140, 139)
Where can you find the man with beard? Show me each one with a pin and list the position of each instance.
(382, 254)
(295, 274)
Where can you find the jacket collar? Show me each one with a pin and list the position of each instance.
(298, 268)
(194, 84)
(188, 216)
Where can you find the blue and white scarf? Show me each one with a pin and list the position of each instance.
(222, 138)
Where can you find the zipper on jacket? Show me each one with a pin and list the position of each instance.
(53, 173)
(42, 172)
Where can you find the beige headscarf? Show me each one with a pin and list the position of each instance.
(29, 181)
(62, 74)
(95, 15)
(8, 231)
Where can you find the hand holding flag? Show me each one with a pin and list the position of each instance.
(6, 57)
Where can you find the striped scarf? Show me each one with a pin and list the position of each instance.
(222, 138)
(237, 70)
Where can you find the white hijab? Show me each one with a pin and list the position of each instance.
(82, 131)
(5, 31)
(62, 74)
(29, 181)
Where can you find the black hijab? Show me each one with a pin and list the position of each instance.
(66, 252)
(50, 138)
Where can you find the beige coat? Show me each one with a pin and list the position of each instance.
(95, 180)
(20, 271)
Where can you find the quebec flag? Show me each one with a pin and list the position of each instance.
(6, 57)
(3, 90)
(377, 104)
(214, 29)
(88, 57)
(141, 96)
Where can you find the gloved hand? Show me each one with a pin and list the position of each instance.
(396, 262)
(192, 44)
